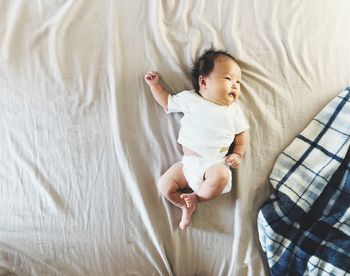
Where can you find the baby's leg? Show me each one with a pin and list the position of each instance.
(216, 178)
(188, 209)
(170, 185)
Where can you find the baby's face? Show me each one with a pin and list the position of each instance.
(222, 85)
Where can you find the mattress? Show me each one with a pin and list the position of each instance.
(83, 143)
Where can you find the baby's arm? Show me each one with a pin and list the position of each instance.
(241, 143)
(158, 92)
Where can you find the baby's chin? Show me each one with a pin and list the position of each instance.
(231, 99)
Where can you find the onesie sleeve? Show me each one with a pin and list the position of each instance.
(177, 102)
(241, 123)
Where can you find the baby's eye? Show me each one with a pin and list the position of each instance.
(238, 82)
(228, 78)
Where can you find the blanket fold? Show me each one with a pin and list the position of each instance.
(304, 227)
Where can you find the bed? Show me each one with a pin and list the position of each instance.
(83, 143)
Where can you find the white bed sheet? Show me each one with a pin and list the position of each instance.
(82, 141)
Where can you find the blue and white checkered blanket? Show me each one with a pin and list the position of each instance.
(304, 227)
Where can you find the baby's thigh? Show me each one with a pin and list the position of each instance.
(173, 178)
(218, 173)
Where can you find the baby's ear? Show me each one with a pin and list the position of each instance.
(202, 81)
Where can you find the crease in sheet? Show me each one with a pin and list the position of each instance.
(114, 66)
(18, 261)
(49, 195)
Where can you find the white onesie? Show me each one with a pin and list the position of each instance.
(206, 128)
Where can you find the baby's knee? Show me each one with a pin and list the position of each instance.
(222, 177)
(163, 186)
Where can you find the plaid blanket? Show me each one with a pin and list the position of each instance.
(304, 227)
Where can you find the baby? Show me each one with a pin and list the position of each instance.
(212, 121)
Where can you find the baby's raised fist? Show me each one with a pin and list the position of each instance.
(233, 160)
(151, 78)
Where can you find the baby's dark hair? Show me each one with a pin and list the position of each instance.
(205, 64)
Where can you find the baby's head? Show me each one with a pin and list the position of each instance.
(216, 77)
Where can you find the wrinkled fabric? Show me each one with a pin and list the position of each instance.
(83, 143)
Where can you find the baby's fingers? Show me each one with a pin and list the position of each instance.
(229, 159)
(149, 76)
(232, 162)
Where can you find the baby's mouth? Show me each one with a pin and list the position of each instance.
(233, 95)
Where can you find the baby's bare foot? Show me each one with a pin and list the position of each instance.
(186, 216)
(190, 199)
(188, 209)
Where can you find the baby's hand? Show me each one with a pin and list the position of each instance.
(151, 78)
(233, 160)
